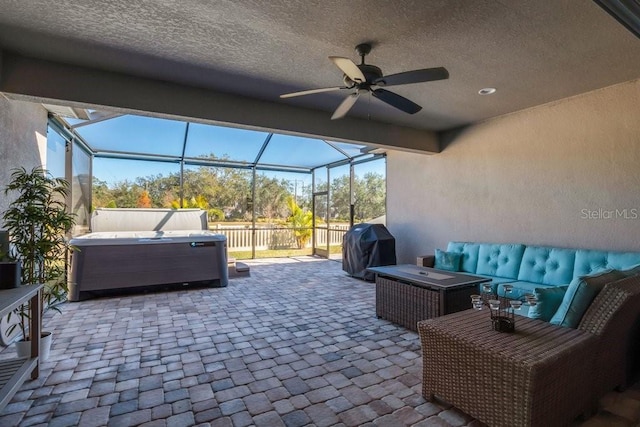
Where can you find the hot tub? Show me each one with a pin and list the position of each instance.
(109, 260)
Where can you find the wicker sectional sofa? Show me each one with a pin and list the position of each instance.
(545, 373)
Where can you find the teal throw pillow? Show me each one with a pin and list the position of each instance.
(580, 294)
(549, 299)
(447, 260)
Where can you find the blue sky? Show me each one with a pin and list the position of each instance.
(116, 170)
(146, 135)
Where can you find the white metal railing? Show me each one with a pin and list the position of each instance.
(239, 238)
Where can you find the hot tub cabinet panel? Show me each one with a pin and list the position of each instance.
(117, 260)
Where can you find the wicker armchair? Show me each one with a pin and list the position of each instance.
(614, 317)
(540, 375)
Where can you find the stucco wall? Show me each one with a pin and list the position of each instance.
(564, 174)
(23, 139)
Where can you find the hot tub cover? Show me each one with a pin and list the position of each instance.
(106, 238)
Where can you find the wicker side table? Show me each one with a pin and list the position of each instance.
(537, 376)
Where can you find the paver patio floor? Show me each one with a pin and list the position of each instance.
(297, 343)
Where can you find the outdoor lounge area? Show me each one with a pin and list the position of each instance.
(498, 142)
(296, 344)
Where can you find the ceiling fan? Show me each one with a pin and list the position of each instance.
(363, 78)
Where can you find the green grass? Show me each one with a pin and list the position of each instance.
(280, 253)
(335, 249)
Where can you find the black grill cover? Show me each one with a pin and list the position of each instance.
(367, 245)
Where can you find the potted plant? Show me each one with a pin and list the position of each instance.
(38, 223)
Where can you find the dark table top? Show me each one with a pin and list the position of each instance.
(429, 277)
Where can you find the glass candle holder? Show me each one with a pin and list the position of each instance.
(476, 302)
(515, 304)
(501, 308)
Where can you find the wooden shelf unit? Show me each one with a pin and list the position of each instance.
(14, 372)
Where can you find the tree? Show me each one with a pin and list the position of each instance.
(234, 188)
(101, 194)
(225, 189)
(272, 196)
(124, 194)
(370, 195)
(301, 222)
(157, 186)
(228, 191)
(215, 215)
(340, 198)
(144, 201)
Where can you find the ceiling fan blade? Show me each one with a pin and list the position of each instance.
(395, 100)
(312, 91)
(345, 106)
(349, 68)
(415, 76)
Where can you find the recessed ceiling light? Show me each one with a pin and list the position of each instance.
(487, 91)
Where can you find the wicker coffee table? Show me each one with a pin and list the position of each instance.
(406, 294)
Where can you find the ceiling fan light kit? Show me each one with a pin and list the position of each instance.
(366, 78)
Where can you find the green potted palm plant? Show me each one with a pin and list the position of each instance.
(38, 223)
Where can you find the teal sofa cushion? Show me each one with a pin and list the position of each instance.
(581, 292)
(549, 266)
(592, 261)
(469, 253)
(520, 289)
(500, 259)
(549, 299)
(447, 260)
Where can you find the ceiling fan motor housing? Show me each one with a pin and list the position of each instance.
(371, 73)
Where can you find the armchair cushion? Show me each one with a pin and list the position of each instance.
(447, 260)
(581, 292)
(549, 299)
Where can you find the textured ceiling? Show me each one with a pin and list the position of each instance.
(532, 51)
